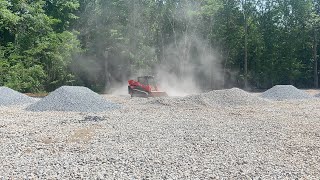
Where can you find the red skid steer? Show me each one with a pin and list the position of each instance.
(145, 86)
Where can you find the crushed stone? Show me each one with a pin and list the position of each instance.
(73, 98)
(10, 97)
(285, 92)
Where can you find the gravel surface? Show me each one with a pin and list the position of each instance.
(317, 95)
(10, 97)
(141, 140)
(73, 98)
(232, 97)
(285, 92)
(229, 98)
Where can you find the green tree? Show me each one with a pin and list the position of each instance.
(35, 53)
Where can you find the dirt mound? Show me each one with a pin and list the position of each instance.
(285, 92)
(73, 98)
(10, 97)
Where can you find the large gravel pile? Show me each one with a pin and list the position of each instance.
(285, 92)
(73, 98)
(10, 97)
(226, 98)
(232, 97)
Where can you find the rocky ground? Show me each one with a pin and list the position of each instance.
(150, 139)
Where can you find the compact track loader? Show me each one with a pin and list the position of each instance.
(145, 86)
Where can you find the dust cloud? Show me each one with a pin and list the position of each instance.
(190, 67)
(188, 64)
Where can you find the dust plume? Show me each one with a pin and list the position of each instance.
(190, 64)
(190, 67)
(182, 60)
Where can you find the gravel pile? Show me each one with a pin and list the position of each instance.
(10, 97)
(227, 98)
(232, 97)
(285, 92)
(73, 98)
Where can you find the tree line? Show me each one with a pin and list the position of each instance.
(219, 43)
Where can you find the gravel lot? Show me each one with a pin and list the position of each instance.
(164, 139)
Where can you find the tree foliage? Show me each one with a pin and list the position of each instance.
(35, 50)
(48, 43)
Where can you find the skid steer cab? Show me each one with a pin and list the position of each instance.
(144, 86)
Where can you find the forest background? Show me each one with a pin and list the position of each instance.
(197, 44)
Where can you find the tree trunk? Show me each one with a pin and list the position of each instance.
(315, 54)
(134, 29)
(245, 50)
(245, 66)
(225, 68)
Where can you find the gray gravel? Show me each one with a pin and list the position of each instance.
(9, 97)
(225, 98)
(285, 92)
(280, 140)
(233, 97)
(73, 98)
(188, 101)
